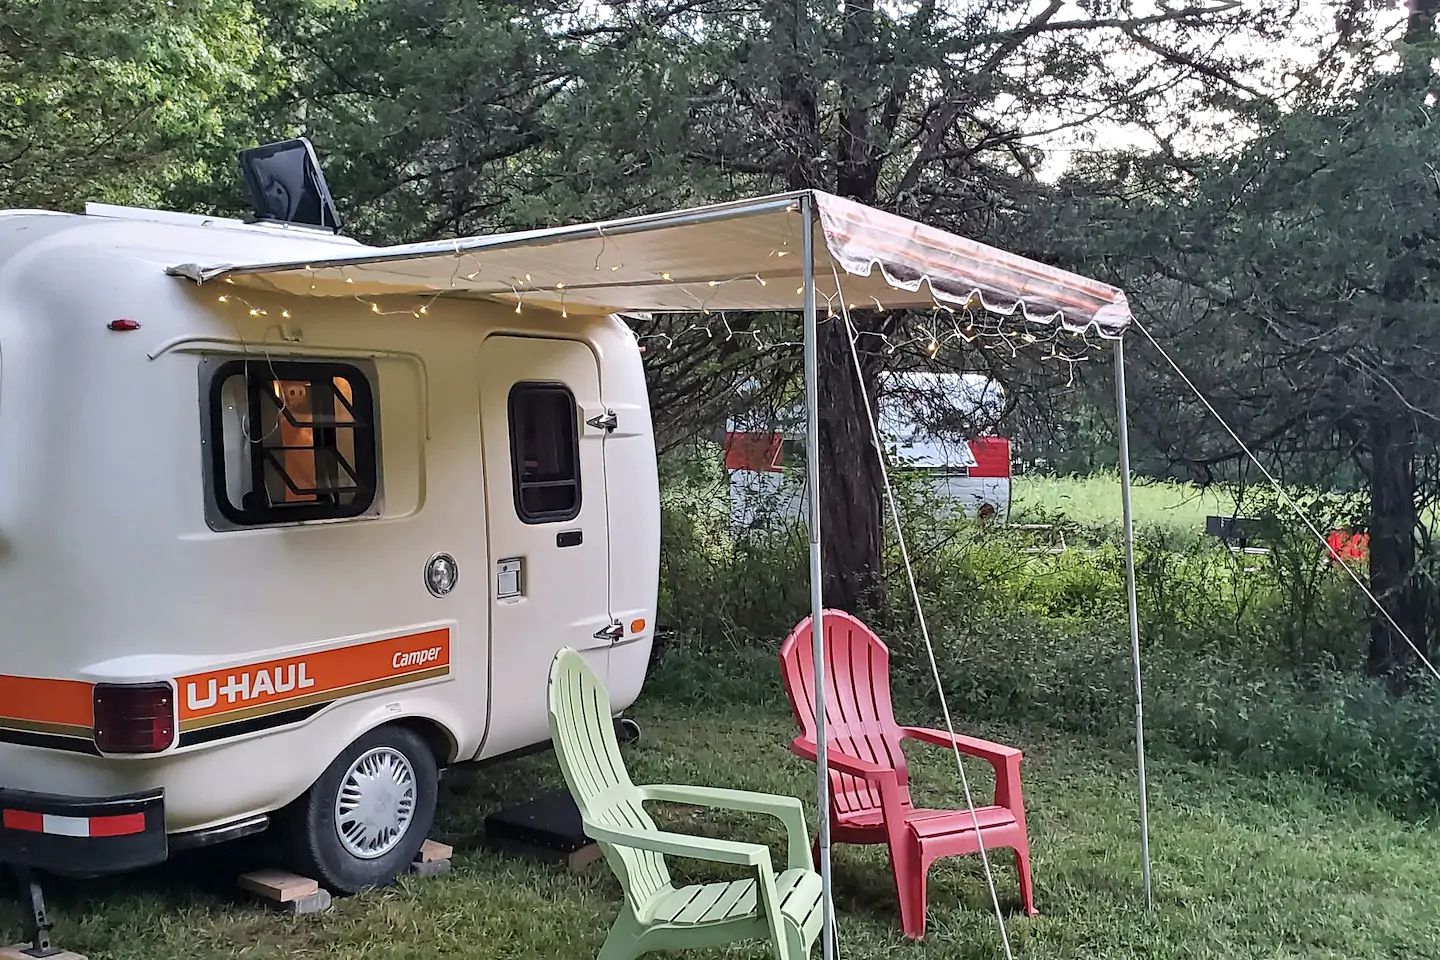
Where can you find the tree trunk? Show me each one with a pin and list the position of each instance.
(852, 518)
(851, 509)
(1420, 20)
(1419, 44)
(1393, 522)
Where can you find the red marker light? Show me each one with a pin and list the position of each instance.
(123, 325)
(133, 718)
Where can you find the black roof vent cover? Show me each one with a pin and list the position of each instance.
(286, 185)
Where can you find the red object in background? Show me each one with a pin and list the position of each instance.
(1347, 546)
(870, 788)
(992, 457)
(123, 325)
(753, 451)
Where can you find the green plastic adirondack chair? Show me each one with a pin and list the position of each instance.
(657, 915)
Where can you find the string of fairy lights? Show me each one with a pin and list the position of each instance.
(942, 329)
(933, 330)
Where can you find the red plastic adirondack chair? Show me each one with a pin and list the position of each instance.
(869, 785)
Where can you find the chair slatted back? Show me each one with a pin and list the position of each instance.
(583, 733)
(859, 717)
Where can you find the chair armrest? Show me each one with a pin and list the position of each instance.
(743, 800)
(683, 845)
(995, 753)
(842, 762)
(788, 810)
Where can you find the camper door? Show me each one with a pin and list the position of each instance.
(549, 537)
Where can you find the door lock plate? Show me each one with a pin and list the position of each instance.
(510, 578)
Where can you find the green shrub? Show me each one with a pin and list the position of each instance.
(1250, 659)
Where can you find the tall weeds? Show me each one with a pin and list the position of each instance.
(1251, 659)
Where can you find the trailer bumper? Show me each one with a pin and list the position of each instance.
(82, 836)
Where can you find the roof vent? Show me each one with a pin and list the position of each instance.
(286, 185)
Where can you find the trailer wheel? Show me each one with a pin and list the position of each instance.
(362, 823)
(627, 730)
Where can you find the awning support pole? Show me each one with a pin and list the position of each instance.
(1124, 430)
(817, 602)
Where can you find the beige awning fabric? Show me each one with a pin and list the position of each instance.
(740, 256)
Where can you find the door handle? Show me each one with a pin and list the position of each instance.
(614, 632)
(606, 421)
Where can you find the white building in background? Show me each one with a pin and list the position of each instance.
(765, 462)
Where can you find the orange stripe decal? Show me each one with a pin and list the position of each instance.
(255, 689)
(42, 702)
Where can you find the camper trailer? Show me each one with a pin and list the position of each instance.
(270, 558)
(957, 475)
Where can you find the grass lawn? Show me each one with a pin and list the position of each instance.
(1095, 501)
(1267, 868)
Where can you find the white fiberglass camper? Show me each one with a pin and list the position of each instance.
(958, 475)
(272, 556)
(287, 523)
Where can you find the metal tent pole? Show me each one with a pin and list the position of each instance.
(1124, 430)
(817, 603)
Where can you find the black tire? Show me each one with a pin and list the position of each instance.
(627, 731)
(314, 843)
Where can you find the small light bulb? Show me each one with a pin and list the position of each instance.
(559, 286)
(761, 279)
(782, 253)
(254, 312)
(349, 279)
(517, 307)
(425, 309)
(665, 276)
(223, 298)
(527, 278)
(285, 314)
(374, 308)
(614, 268)
(714, 283)
(932, 348)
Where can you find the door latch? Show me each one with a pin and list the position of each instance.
(614, 632)
(606, 421)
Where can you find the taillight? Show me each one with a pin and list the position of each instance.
(134, 717)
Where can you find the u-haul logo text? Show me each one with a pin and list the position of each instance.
(258, 689)
(252, 685)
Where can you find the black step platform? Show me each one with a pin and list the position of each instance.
(547, 826)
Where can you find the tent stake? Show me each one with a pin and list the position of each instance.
(1124, 430)
(817, 602)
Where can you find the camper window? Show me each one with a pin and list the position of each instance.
(544, 452)
(291, 440)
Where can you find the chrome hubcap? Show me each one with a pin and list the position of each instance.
(376, 803)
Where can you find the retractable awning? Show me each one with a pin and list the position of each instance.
(775, 253)
(733, 256)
